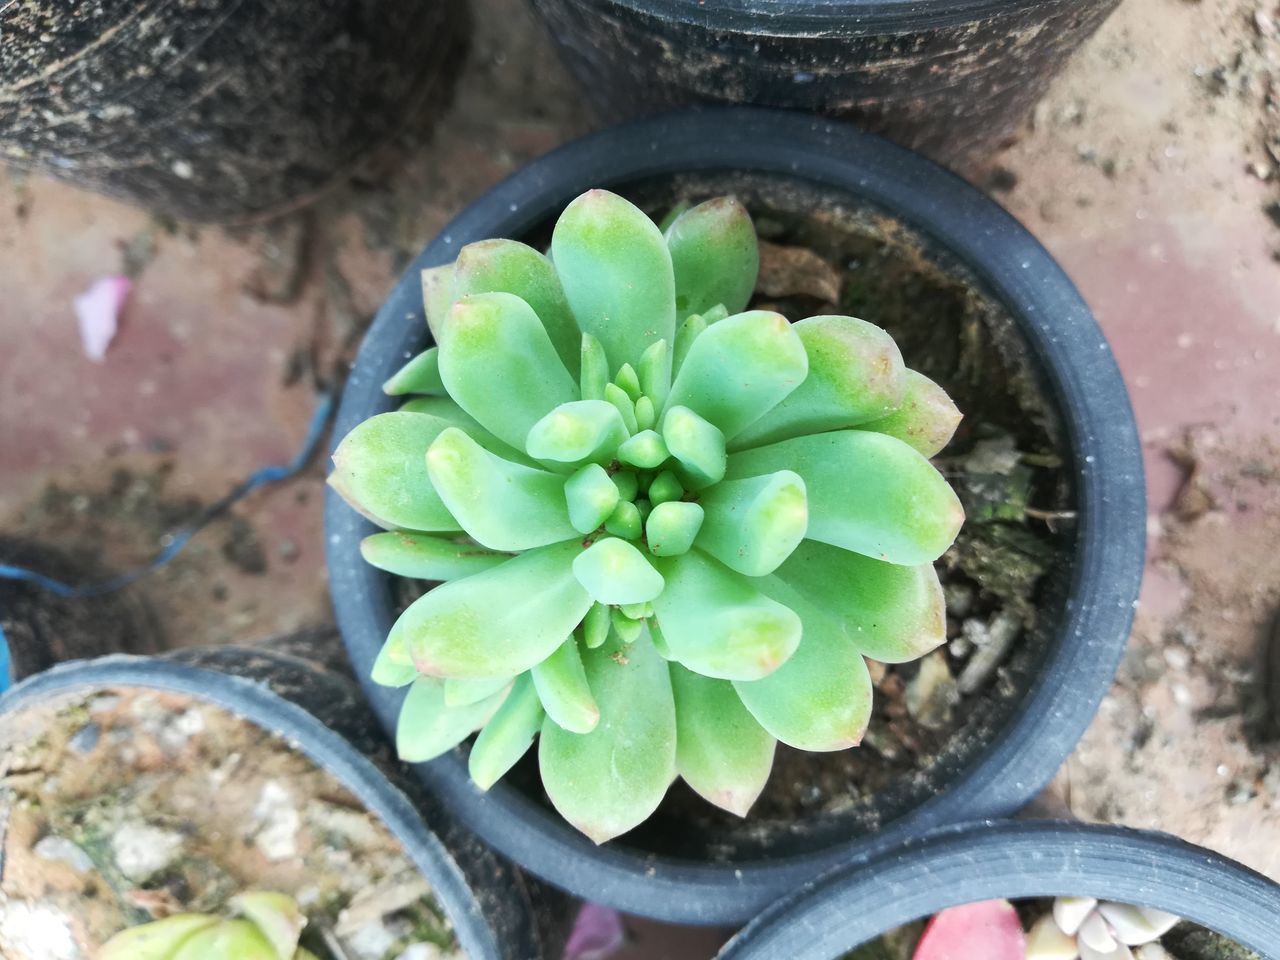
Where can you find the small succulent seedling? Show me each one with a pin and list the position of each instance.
(1082, 928)
(669, 528)
(262, 926)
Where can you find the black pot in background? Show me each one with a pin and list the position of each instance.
(323, 716)
(951, 78)
(988, 861)
(216, 110)
(665, 870)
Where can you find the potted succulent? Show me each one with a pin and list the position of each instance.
(681, 536)
(121, 847)
(952, 79)
(1078, 893)
(216, 110)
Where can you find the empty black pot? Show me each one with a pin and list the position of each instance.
(669, 868)
(951, 78)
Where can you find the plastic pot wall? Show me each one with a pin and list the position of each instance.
(216, 110)
(951, 78)
(322, 716)
(1086, 640)
(987, 861)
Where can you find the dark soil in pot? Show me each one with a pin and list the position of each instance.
(952, 78)
(1010, 575)
(138, 789)
(217, 109)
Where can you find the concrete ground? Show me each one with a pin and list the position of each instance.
(1145, 171)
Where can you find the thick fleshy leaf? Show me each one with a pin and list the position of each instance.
(1134, 926)
(655, 373)
(276, 915)
(1070, 913)
(445, 409)
(595, 625)
(625, 521)
(664, 488)
(501, 505)
(624, 404)
(629, 381)
(562, 687)
(696, 444)
(155, 941)
(577, 432)
(419, 375)
(624, 628)
(867, 492)
(739, 369)
(591, 497)
(507, 266)
(717, 623)
(672, 527)
(686, 334)
(392, 667)
(610, 780)
(380, 469)
(498, 623)
(437, 297)
(508, 734)
(229, 940)
(424, 557)
(598, 933)
(722, 752)
(926, 420)
(428, 727)
(855, 375)
(646, 414)
(460, 692)
(752, 525)
(714, 255)
(645, 450)
(820, 699)
(616, 272)
(614, 571)
(595, 369)
(498, 363)
(990, 930)
(889, 612)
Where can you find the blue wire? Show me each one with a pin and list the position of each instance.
(179, 538)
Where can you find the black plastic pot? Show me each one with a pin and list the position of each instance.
(322, 715)
(986, 861)
(216, 109)
(951, 78)
(670, 872)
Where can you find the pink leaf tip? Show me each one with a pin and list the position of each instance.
(597, 934)
(989, 929)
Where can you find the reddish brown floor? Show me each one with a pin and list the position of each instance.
(1143, 172)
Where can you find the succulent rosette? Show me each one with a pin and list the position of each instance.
(669, 529)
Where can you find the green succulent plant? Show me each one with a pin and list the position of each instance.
(669, 528)
(263, 926)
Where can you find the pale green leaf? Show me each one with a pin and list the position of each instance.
(616, 272)
(499, 365)
(739, 369)
(595, 625)
(867, 492)
(392, 667)
(276, 915)
(696, 444)
(714, 256)
(158, 940)
(428, 727)
(855, 375)
(595, 369)
(437, 297)
(508, 734)
(445, 409)
(562, 687)
(460, 692)
(925, 421)
(229, 940)
(577, 432)
(610, 780)
(722, 752)
(380, 469)
(506, 266)
(501, 505)
(753, 524)
(716, 622)
(498, 623)
(672, 527)
(614, 571)
(591, 497)
(888, 612)
(419, 375)
(425, 557)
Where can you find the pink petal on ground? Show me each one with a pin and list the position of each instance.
(98, 314)
(990, 930)
(597, 934)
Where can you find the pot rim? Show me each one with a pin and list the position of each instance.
(256, 703)
(810, 20)
(1014, 860)
(1080, 371)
